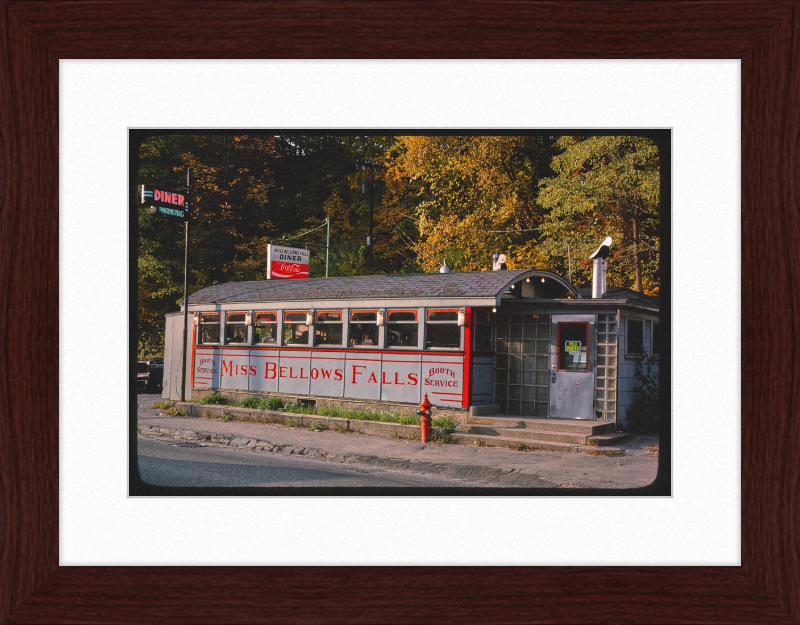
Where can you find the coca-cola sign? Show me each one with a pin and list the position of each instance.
(286, 263)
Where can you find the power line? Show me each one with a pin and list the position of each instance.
(308, 231)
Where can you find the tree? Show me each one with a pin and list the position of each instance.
(231, 179)
(606, 185)
(474, 195)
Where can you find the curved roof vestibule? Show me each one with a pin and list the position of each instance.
(469, 288)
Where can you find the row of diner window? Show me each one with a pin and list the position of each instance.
(443, 328)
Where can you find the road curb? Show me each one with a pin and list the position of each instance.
(291, 419)
(492, 475)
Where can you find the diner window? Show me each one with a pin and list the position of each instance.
(443, 329)
(295, 328)
(363, 328)
(635, 338)
(236, 327)
(483, 331)
(209, 328)
(402, 328)
(265, 329)
(328, 328)
(572, 340)
(656, 339)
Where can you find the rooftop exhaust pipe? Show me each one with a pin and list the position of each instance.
(599, 266)
(498, 262)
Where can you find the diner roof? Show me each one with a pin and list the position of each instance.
(478, 285)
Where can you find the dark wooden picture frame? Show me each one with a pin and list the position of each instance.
(765, 36)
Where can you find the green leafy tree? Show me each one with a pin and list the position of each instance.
(604, 185)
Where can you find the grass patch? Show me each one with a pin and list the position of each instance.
(162, 404)
(441, 439)
(317, 427)
(444, 422)
(225, 416)
(278, 404)
(251, 402)
(178, 412)
(214, 399)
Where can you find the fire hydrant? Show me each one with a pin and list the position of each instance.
(424, 413)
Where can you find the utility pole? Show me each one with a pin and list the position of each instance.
(328, 247)
(569, 261)
(185, 294)
(371, 213)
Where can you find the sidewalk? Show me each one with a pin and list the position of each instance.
(480, 466)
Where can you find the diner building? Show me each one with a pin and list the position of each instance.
(513, 342)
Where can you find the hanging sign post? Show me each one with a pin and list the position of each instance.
(175, 204)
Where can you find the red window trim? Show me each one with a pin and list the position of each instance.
(320, 312)
(398, 310)
(236, 312)
(438, 310)
(204, 314)
(293, 312)
(352, 312)
(265, 312)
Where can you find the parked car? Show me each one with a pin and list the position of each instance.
(156, 369)
(149, 375)
(142, 375)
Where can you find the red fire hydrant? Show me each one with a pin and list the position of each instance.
(424, 413)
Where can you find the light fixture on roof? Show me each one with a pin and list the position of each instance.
(527, 279)
(512, 286)
(494, 309)
(542, 279)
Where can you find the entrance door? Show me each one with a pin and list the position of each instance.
(572, 367)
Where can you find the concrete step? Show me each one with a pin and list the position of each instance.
(602, 440)
(578, 438)
(563, 425)
(512, 443)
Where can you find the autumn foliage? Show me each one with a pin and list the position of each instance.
(544, 201)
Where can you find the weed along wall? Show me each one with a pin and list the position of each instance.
(484, 342)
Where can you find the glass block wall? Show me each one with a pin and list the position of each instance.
(605, 404)
(522, 356)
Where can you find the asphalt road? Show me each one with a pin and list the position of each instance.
(166, 463)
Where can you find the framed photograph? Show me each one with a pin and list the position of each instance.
(36, 588)
(340, 336)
